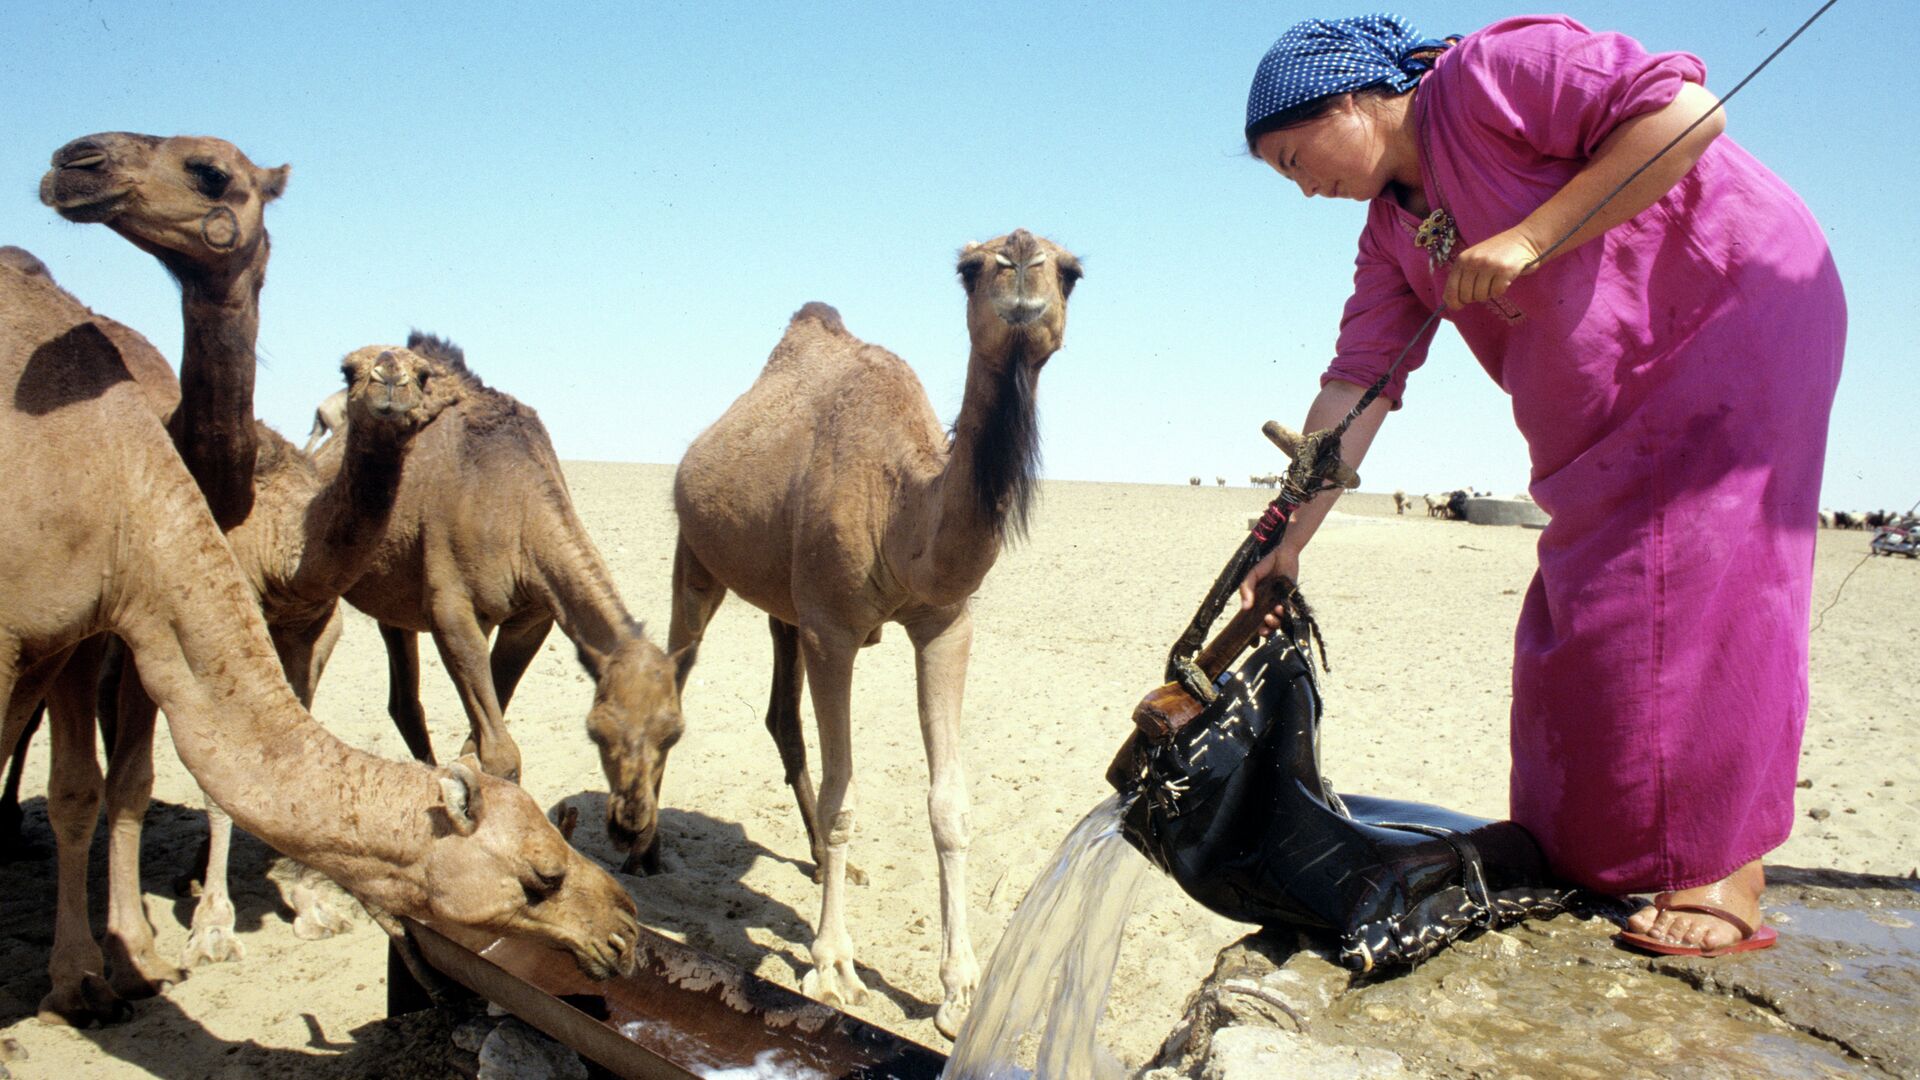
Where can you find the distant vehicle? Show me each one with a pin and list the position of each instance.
(1897, 538)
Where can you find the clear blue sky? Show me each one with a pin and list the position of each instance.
(614, 209)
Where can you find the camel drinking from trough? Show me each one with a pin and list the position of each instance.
(128, 546)
(484, 541)
(830, 496)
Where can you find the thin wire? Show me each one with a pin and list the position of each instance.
(1820, 619)
(1380, 384)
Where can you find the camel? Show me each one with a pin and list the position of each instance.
(310, 536)
(128, 546)
(328, 417)
(829, 496)
(483, 537)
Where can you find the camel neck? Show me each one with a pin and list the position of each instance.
(578, 587)
(206, 659)
(987, 484)
(213, 427)
(348, 518)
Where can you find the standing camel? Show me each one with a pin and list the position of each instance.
(830, 497)
(126, 545)
(197, 205)
(328, 417)
(310, 536)
(483, 537)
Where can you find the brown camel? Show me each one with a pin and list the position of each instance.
(197, 205)
(830, 496)
(484, 537)
(310, 536)
(328, 417)
(127, 546)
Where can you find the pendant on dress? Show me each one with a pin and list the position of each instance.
(1437, 235)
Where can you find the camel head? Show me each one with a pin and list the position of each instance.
(1017, 288)
(496, 863)
(193, 202)
(396, 389)
(635, 721)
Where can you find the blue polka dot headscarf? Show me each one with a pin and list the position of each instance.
(1320, 57)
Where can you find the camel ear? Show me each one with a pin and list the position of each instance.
(273, 183)
(460, 787)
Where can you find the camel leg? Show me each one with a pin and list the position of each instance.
(696, 596)
(23, 690)
(462, 642)
(403, 690)
(211, 939)
(81, 995)
(515, 645)
(784, 724)
(138, 970)
(941, 647)
(13, 843)
(829, 664)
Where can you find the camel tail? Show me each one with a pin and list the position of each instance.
(824, 314)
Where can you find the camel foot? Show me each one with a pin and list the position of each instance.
(321, 908)
(89, 1003)
(139, 974)
(835, 984)
(212, 945)
(951, 1013)
(318, 916)
(212, 939)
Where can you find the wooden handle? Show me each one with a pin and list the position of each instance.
(1166, 710)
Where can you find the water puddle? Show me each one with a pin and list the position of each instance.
(1037, 1012)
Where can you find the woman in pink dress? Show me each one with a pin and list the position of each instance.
(1672, 366)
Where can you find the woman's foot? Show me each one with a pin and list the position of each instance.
(1737, 894)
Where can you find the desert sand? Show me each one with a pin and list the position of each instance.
(1071, 630)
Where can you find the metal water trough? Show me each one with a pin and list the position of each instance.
(681, 1015)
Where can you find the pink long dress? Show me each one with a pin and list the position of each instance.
(1673, 380)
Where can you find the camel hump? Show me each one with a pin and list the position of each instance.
(824, 314)
(27, 263)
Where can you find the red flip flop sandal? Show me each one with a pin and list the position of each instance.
(1750, 939)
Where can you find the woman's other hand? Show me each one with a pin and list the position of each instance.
(1281, 560)
(1485, 270)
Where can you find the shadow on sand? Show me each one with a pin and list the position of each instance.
(704, 861)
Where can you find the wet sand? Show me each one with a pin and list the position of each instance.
(1070, 631)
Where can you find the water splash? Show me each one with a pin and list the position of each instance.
(1045, 988)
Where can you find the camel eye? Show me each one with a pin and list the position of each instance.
(543, 885)
(969, 270)
(211, 179)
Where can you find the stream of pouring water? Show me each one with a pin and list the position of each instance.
(1045, 988)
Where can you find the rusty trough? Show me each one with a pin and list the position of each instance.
(682, 1014)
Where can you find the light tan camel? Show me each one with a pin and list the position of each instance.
(328, 417)
(139, 971)
(830, 496)
(484, 536)
(310, 536)
(127, 546)
(197, 205)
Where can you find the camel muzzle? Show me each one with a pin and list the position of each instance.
(1019, 310)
